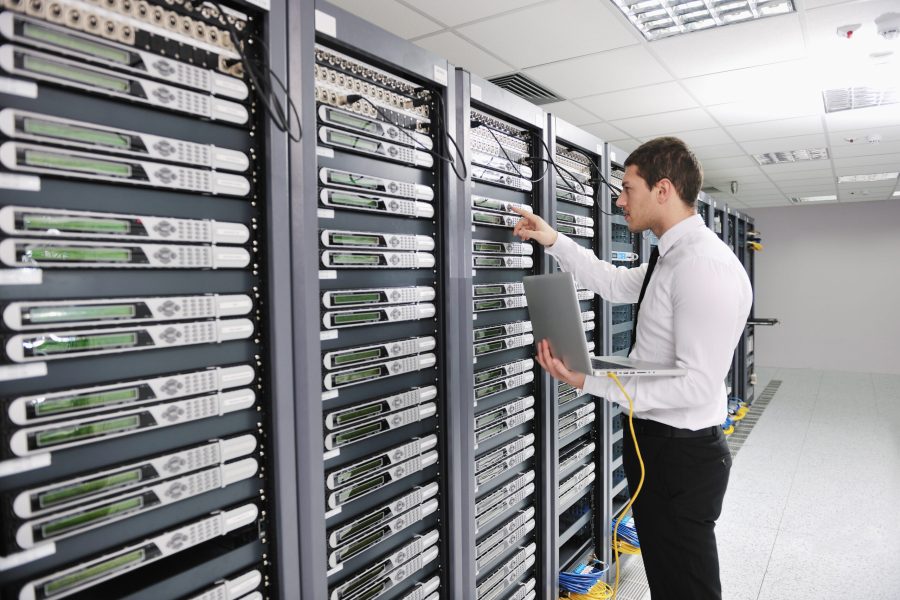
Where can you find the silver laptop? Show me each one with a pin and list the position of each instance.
(556, 316)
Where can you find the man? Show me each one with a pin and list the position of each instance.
(693, 300)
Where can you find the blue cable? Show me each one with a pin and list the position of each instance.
(581, 579)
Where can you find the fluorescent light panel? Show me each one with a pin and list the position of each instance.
(853, 98)
(789, 156)
(817, 198)
(658, 19)
(868, 177)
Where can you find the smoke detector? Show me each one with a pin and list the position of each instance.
(888, 26)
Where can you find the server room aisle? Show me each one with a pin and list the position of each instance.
(811, 508)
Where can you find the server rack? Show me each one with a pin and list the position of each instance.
(747, 256)
(388, 422)
(704, 208)
(582, 505)
(512, 499)
(144, 197)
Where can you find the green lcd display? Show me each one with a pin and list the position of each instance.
(78, 343)
(355, 259)
(489, 332)
(487, 375)
(361, 488)
(348, 378)
(486, 433)
(355, 414)
(565, 218)
(74, 133)
(488, 203)
(64, 162)
(362, 524)
(52, 406)
(101, 569)
(357, 433)
(42, 34)
(565, 229)
(33, 222)
(343, 118)
(481, 261)
(340, 178)
(483, 218)
(490, 290)
(90, 517)
(487, 391)
(57, 314)
(90, 487)
(73, 254)
(360, 545)
(360, 356)
(353, 141)
(488, 304)
(65, 435)
(490, 347)
(356, 298)
(359, 470)
(54, 69)
(487, 247)
(354, 201)
(360, 581)
(488, 419)
(346, 239)
(353, 318)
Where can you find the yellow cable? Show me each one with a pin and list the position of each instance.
(637, 450)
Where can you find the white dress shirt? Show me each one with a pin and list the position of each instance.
(693, 313)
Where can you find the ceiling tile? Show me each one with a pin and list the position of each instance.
(718, 151)
(571, 112)
(651, 125)
(605, 131)
(726, 164)
(865, 118)
(463, 54)
(863, 149)
(776, 129)
(784, 144)
(647, 100)
(462, 11)
(858, 136)
(730, 173)
(788, 176)
(627, 145)
(737, 46)
(702, 137)
(868, 167)
(552, 31)
(801, 102)
(393, 16)
(569, 78)
(857, 162)
(798, 167)
(744, 84)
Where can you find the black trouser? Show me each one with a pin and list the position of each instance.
(676, 511)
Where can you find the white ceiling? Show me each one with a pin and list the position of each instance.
(728, 92)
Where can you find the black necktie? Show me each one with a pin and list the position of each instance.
(654, 256)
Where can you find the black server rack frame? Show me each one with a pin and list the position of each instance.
(78, 106)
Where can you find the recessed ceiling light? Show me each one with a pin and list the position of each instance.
(853, 98)
(867, 178)
(789, 156)
(657, 19)
(813, 199)
(896, 194)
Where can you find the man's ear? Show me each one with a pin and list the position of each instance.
(666, 190)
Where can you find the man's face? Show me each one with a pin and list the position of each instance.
(637, 200)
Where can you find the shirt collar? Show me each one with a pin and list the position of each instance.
(673, 235)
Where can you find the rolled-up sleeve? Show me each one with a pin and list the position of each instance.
(619, 285)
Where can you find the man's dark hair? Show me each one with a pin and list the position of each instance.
(669, 158)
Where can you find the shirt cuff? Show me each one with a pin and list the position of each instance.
(561, 247)
(597, 386)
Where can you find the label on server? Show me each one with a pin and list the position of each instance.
(57, 436)
(88, 574)
(480, 290)
(377, 296)
(24, 410)
(506, 424)
(369, 410)
(508, 383)
(78, 343)
(38, 315)
(374, 127)
(502, 262)
(484, 334)
(378, 481)
(365, 354)
(372, 316)
(62, 494)
(503, 344)
(352, 142)
(360, 526)
(499, 303)
(498, 178)
(96, 80)
(341, 379)
(78, 45)
(374, 184)
(46, 160)
(564, 217)
(22, 220)
(368, 429)
(367, 467)
(37, 127)
(378, 204)
(491, 247)
(367, 239)
(40, 253)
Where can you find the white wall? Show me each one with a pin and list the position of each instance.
(831, 274)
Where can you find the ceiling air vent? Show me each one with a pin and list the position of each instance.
(711, 190)
(852, 98)
(520, 85)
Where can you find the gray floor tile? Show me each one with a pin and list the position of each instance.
(743, 556)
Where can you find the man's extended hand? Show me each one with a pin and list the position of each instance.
(532, 227)
(556, 368)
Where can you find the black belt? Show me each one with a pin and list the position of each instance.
(655, 428)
